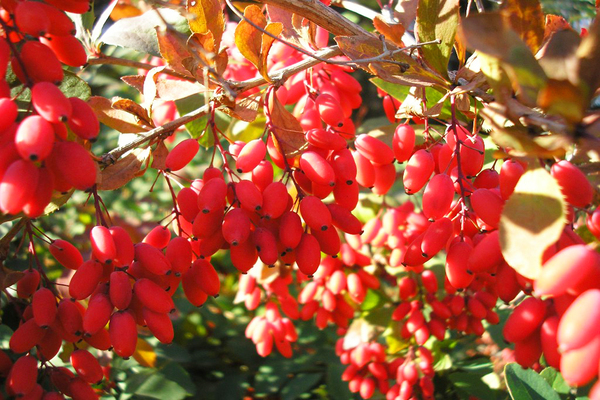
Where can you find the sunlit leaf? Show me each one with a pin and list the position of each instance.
(207, 16)
(133, 108)
(555, 23)
(558, 56)
(589, 59)
(392, 31)
(172, 49)
(119, 120)
(437, 19)
(533, 218)
(138, 33)
(145, 353)
(526, 384)
(251, 42)
(525, 18)
(246, 109)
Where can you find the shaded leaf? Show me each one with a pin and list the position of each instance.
(197, 127)
(437, 19)
(401, 68)
(159, 155)
(526, 384)
(58, 201)
(471, 384)
(288, 134)
(561, 97)
(299, 385)
(532, 219)
(125, 169)
(589, 59)
(525, 18)
(119, 120)
(558, 56)
(207, 16)
(555, 23)
(9, 277)
(490, 34)
(138, 33)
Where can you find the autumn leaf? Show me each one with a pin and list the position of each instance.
(391, 31)
(159, 156)
(133, 108)
(561, 97)
(527, 19)
(172, 49)
(533, 218)
(145, 354)
(400, 68)
(254, 44)
(490, 33)
(287, 131)
(119, 120)
(207, 16)
(246, 108)
(125, 169)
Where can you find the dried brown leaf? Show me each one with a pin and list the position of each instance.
(119, 120)
(125, 169)
(159, 155)
(246, 109)
(288, 134)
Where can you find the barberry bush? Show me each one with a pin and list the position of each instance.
(292, 199)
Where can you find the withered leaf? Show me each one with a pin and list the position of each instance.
(207, 16)
(9, 277)
(363, 47)
(391, 31)
(172, 48)
(159, 155)
(119, 120)
(125, 169)
(437, 19)
(527, 19)
(246, 109)
(288, 134)
(133, 108)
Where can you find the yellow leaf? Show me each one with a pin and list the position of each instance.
(207, 16)
(145, 354)
(533, 218)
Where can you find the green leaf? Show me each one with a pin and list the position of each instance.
(71, 86)
(555, 379)
(527, 384)
(532, 219)
(437, 19)
(373, 299)
(138, 33)
(472, 385)
(169, 382)
(300, 384)
(197, 127)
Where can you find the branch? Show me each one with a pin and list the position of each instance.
(103, 59)
(283, 74)
(112, 156)
(320, 14)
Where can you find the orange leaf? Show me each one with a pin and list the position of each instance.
(207, 16)
(527, 19)
(119, 120)
(172, 49)
(392, 32)
(125, 169)
(287, 131)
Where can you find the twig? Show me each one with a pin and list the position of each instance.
(103, 59)
(284, 73)
(112, 156)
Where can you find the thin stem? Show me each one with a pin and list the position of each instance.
(103, 59)
(165, 130)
